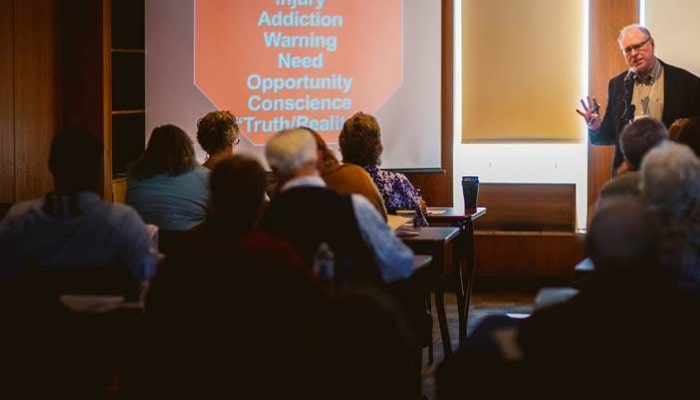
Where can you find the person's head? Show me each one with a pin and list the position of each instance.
(169, 151)
(217, 131)
(237, 186)
(291, 152)
(361, 140)
(670, 179)
(689, 134)
(637, 47)
(75, 160)
(639, 137)
(371, 325)
(326, 157)
(624, 239)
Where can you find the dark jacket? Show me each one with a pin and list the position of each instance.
(307, 216)
(681, 100)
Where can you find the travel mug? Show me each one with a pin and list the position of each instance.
(470, 191)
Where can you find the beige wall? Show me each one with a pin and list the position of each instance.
(519, 60)
(675, 28)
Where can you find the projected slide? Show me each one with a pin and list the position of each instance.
(279, 64)
(284, 63)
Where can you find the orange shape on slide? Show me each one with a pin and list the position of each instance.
(352, 49)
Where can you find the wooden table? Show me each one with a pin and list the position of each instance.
(421, 261)
(438, 243)
(462, 267)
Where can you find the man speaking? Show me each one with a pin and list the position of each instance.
(649, 88)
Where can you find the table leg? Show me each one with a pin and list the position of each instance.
(461, 301)
(442, 321)
(464, 316)
(465, 275)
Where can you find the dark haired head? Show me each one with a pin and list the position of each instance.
(75, 160)
(237, 186)
(629, 250)
(169, 151)
(371, 324)
(624, 237)
(360, 140)
(639, 137)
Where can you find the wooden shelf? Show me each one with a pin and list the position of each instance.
(104, 78)
(126, 112)
(129, 51)
(128, 104)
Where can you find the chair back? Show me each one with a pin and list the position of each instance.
(81, 353)
(54, 281)
(169, 241)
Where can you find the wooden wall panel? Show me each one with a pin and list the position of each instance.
(83, 64)
(36, 86)
(528, 230)
(106, 73)
(434, 188)
(528, 207)
(7, 123)
(605, 61)
(524, 254)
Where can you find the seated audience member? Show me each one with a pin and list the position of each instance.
(165, 185)
(636, 140)
(346, 178)
(51, 352)
(689, 134)
(360, 144)
(72, 226)
(218, 134)
(231, 311)
(607, 329)
(306, 213)
(670, 181)
(611, 326)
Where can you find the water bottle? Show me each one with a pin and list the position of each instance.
(324, 264)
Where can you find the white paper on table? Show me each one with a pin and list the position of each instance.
(395, 221)
(436, 212)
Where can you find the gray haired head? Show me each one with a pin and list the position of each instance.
(670, 178)
(638, 27)
(289, 150)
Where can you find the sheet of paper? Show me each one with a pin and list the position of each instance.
(436, 212)
(396, 221)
